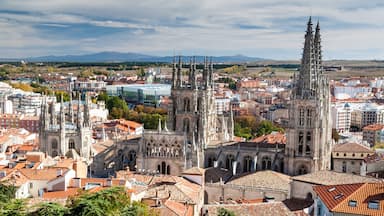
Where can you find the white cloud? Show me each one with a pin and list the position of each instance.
(159, 26)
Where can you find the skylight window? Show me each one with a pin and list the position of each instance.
(373, 204)
(338, 196)
(352, 203)
(331, 189)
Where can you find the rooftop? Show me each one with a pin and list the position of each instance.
(361, 198)
(332, 178)
(351, 148)
(260, 209)
(265, 179)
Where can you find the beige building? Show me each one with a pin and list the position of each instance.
(348, 157)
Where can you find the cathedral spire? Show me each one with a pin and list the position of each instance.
(178, 80)
(70, 105)
(86, 111)
(79, 117)
(205, 72)
(305, 86)
(174, 72)
(210, 72)
(317, 46)
(62, 114)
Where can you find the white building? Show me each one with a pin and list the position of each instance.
(341, 117)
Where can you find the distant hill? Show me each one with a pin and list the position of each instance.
(131, 57)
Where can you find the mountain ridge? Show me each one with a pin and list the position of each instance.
(108, 56)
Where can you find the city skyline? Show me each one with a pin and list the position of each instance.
(266, 29)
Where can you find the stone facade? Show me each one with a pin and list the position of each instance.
(62, 135)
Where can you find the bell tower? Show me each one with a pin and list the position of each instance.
(309, 131)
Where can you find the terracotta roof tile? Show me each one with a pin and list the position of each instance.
(352, 148)
(337, 198)
(333, 178)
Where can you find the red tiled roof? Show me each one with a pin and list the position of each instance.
(338, 200)
(332, 195)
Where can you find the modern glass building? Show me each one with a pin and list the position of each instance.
(147, 94)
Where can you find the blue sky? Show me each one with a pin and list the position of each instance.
(351, 29)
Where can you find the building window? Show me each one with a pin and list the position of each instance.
(337, 154)
(186, 125)
(301, 117)
(374, 204)
(30, 185)
(344, 166)
(54, 144)
(186, 105)
(229, 162)
(247, 164)
(352, 203)
(71, 144)
(302, 170)
(308, 143)
(266, 163)
(301, 142)
(309, 117)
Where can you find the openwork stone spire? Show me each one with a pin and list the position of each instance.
(307, 81)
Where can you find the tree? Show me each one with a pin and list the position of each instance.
(137, 209)
(103, 96)
(267, 127)
(7, 192)
(50, 209)
(225, 212)
(13, 207)
(116, 102)
(110, 201)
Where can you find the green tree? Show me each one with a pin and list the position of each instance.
(225, 212)
(137, 209)
(116, 102)
(267, 127)
(7, 192)
(50, 209)
(13, 207)
(110, 201)
(103, 96)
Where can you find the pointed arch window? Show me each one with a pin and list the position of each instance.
(54, 144)
(186, 125)
(301, 117)
(301, 142)
(309, 117)
(266, 163)
(308, 143)
(302, 170)
(247, 167)
(229, 161)
(186, 105)
(71, 144)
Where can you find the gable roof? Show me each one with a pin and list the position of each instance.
(351, 148)
(266, 179)
(326, 177)
(43, 174)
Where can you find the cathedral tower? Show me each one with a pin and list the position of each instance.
(309, 131)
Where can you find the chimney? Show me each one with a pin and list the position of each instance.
(77, 182)
(109, 182)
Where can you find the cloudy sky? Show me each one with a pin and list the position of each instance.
(351, 29)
